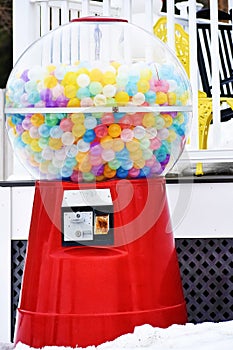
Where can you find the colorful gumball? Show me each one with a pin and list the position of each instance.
(101, 131)
(127, 135)
(114, 130)
(108, 172)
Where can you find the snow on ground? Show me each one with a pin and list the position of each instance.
(204, 336)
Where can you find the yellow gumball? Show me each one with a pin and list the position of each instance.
(77, 118)
(180, 118)
(106, 142)
(143, 85)
(109, 78)
(37, 119)
(172, 136)
(78, 130)
(35, 146)
(114, 130)
(96, 75)
(168, 120)
(81, 156)
(85, 166)
(70, 91)
(9, 122)
(133, 146)
(73, 102)
(171, 97)
(139, 163)
(50, 82)
(55, 144)
(69, 79)
(148, 120)
(136, 155)
(118, 145)
(26, 138)
(121, 97)
(161, 98)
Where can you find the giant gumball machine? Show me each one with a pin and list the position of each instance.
(98, 111)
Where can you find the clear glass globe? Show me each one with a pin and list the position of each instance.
(98, 99)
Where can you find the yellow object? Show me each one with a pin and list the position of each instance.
(37, 119)
(50, 82)
(143, 86)
(35, 146)
(148, 120)
(108, 172)
(122, 97)
(77, 118)
(73, 102)
(78, 130)
(109, 78)
(181, 40)
(106, 142)
(26, 138)
(114, 130)
(117, 145)
(55, 144)
(204, 102)
(70, 91)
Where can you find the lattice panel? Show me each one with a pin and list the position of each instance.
(207, 273)
(18, 252)
(206, 267)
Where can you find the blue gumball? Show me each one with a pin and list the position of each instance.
(121, 173)
(89, 136)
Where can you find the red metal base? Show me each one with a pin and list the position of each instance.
(80, 296)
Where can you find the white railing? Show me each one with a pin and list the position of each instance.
(34, 18)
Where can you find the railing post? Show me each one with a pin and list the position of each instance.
(149, 15)
(6, 154)
(25, 27)
(85, 8)
(127, 10)
(215, 72)
(64, 12)
(1, 136)
(170, 24)
(44, 18)
(193, 73)
(5, 263)
(106, 7)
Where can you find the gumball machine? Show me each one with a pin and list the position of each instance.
(98, 111)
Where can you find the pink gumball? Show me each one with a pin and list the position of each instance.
(107, 119)
(66, 124)
(155, 143)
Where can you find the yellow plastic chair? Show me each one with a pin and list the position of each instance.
(204, 102)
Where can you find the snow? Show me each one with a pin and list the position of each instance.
(203, 336)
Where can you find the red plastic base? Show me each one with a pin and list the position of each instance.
(80, 296)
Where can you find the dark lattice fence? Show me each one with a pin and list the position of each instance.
(18, 252)
(206, 267)
(207, 273)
